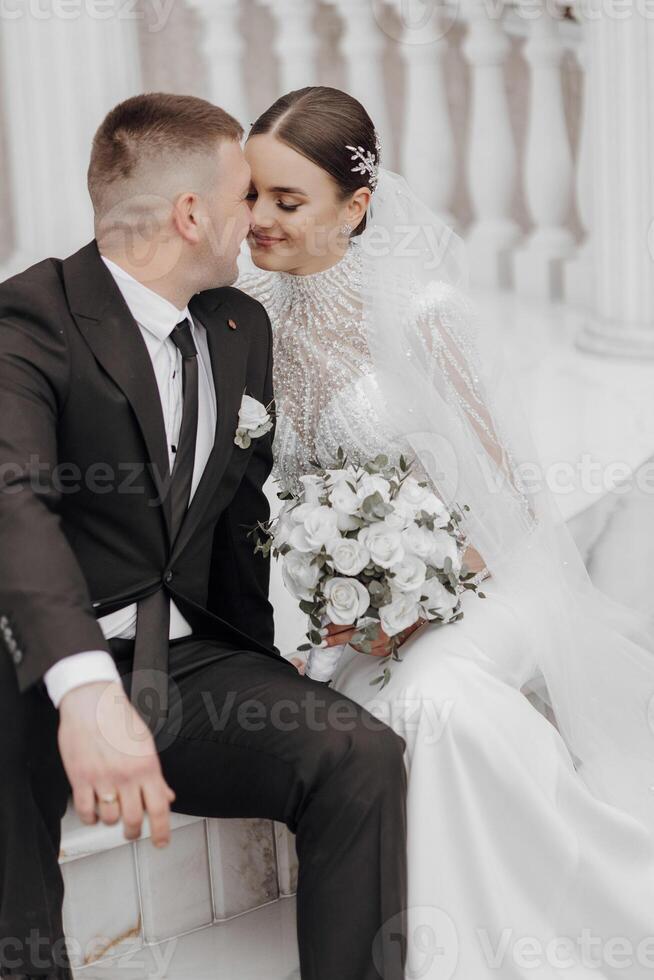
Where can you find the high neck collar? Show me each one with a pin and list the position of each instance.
(344, 273)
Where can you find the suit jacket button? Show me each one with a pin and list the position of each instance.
(17, 656)
(168, 576)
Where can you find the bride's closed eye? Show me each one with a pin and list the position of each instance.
(284, 207)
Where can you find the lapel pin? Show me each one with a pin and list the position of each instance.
(232, 324)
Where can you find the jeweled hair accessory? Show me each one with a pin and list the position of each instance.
(368, 162)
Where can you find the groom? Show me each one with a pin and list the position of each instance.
(137, 665)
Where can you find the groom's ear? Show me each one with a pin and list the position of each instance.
(186, 216)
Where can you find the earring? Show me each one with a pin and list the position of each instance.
(346, 229)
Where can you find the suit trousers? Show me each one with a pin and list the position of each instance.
(245, 736)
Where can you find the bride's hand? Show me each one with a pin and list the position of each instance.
(299, 663)
(473, 560)
(380, 647)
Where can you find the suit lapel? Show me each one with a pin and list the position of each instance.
(113, 335)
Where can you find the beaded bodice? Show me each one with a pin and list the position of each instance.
(326, 393)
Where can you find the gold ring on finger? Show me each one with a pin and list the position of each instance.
(108, 798)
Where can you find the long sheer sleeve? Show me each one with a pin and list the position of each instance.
(448, 330)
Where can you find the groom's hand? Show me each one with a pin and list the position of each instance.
(107, 748)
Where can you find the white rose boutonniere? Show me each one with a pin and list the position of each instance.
(254, 420)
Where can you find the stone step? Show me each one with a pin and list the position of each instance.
(258, 945)
(122, 896)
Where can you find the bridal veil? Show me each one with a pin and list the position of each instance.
(448, 391)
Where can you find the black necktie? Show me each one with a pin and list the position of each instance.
(149, 690)
(182, 474)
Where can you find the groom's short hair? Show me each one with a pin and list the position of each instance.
(148, 129)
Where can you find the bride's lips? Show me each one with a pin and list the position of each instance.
(265, 241)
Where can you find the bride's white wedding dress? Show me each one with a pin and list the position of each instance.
(515, 869)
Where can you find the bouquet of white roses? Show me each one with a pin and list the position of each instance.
(370, 546)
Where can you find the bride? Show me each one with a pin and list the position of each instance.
(531, 832)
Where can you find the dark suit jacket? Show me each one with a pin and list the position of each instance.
(83, 529)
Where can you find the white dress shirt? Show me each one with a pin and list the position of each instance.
(156, 318)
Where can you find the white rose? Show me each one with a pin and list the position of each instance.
(435, 506)
(346, 504)
(403, 514)
(436, 597)
(349, 556)
(298, 539)
(412, 492)
(343, 499)
(418, 541)
(409, 574)
(346, 522)
(399, 614)
(300, 575)
(252, 416)
(372, 483)
(444, 546)
(300, 513)
(317, 529)
(313, 487)
(383, 542)
(347, 600)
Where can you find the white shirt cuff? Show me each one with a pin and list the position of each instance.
(78, 669)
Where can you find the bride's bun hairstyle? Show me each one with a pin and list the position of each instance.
(330, 128)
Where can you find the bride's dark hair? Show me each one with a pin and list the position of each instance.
(319, 122)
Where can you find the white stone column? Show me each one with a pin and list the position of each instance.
(621, 78)
(363, 43)
(491, 161)
(224, 48)
(427, 151)
(60, 76)
(295, 43)
(578, 271)
(548, 165)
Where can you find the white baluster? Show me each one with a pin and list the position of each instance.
(491, 163)
(578, 271)
(363, 44)
(296, 42)
(223, 47)
(548, 166)
(427, 151)
(60, 78)
(620, 70)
